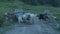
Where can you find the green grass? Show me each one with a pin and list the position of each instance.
(8, 7)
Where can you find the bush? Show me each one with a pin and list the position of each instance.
(1, 21)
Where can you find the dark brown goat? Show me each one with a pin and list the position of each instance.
(42, 16)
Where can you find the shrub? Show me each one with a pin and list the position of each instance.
(1, 21)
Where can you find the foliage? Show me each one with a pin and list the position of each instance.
(55, 3)
(1, 21)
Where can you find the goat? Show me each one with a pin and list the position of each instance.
(10, 16)
(42, 16)
(29, 18)
(49, 16)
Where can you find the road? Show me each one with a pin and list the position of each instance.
(37, 28)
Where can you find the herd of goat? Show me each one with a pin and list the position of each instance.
(29, 18)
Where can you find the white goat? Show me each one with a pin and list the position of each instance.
(18, 14)
(32, 18)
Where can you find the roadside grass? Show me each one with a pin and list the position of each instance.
(8, 7)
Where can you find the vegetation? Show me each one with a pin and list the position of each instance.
(55, 3)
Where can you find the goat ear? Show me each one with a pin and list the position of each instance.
(5, 13)
(37, 15)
